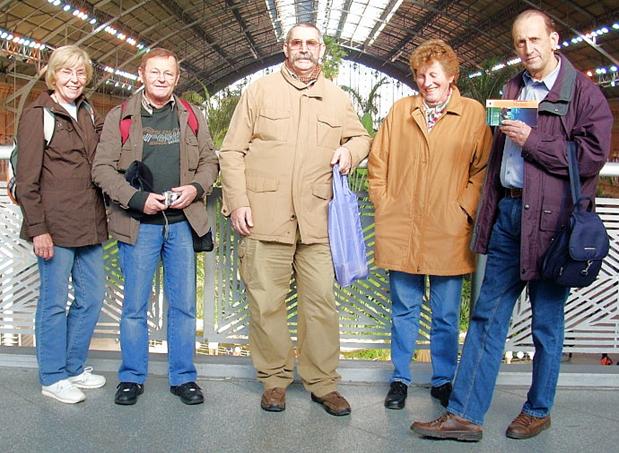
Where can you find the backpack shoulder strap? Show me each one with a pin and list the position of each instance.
(124, 125)
(49, 125)
(192, 119)
(91, 111)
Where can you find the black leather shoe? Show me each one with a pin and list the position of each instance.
(127, 393)
(442, 393)
(396, 398)
(189, 393)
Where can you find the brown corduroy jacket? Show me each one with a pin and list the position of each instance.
(54, 186)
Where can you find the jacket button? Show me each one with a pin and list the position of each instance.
(526, 206)
(293, 217)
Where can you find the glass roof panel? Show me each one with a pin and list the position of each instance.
(360, 19)
(287, 14)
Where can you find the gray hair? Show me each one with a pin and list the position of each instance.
(306, 25)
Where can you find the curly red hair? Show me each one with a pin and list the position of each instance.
(436, 50)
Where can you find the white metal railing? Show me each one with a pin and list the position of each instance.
(6, 150)
(592, 314)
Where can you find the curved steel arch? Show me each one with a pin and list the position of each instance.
(399, 72)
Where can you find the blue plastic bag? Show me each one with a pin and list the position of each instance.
(345, 233)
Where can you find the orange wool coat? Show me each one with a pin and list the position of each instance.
(425, 186)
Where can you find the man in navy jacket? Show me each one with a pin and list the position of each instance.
(525, 202)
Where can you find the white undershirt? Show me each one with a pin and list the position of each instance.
(71, 108)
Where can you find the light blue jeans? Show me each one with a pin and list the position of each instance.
(139, 263)
(485, 339)
(407, 292)
(63, 336)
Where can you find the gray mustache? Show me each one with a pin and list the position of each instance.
(305, 56)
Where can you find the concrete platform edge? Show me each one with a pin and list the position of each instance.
(352, 371)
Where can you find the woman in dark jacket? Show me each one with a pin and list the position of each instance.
(64, 217)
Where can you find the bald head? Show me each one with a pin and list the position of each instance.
(529, 13)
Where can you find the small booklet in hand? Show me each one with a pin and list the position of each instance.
(498, 110)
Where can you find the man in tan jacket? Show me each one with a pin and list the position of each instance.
(288, 129)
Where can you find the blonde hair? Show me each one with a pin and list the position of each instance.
(67, 57)
(436, 50)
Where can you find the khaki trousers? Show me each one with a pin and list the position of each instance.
(266, 268)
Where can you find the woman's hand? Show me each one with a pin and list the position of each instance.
(43, 246)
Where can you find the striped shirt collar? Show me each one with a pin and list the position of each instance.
(150, 108)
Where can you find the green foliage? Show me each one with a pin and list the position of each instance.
(367, 354)
(368, 123)
(465, 304)
(194, 97)
(332, 58)
(219, 111)
(367, 106)
(219, 116)
(488, 85)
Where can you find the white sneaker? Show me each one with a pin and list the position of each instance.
(87, 380)
(64, 391)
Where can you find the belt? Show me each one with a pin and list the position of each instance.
(513, 192)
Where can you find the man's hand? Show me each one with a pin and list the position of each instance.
(154, 203)
(43, 246)
(242, 221)
(517, 131)
(188, 194)
(344, 158)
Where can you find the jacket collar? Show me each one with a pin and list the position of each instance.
(44, 100)
(316, 89)
(455, 103)
(151, 108)
(136, 102)
(562, 90)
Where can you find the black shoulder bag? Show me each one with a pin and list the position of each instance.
(575, 255)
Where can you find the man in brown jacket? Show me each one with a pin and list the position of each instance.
(151, 227)
(288, 129)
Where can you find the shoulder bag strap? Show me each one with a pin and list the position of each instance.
(573, 171)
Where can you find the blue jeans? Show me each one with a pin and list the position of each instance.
(485, 339)
(407, 292)
(139, 263)
(63, 336)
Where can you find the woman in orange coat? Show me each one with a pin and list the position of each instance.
(426, 168)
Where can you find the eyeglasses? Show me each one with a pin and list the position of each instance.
(296, 44)
(67, 73)
(155, 74)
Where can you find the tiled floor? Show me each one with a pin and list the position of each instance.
(584, 420)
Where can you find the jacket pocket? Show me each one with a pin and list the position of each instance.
(322, 191)
(328, 131)
(259, 183)
(126, 157)
(550, 218)
(273, 124)
(191, 143)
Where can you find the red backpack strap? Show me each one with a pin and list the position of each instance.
(124, 125)
(192, 119)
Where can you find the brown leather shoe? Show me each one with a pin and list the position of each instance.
(334, 403)
(274, 399)
(449, 426)
(526, 426)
